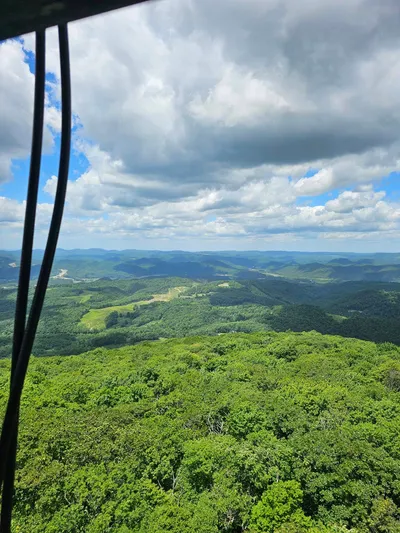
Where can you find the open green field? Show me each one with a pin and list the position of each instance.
(95, 318)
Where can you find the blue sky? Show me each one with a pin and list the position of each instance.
(16, 188)
(204, 142)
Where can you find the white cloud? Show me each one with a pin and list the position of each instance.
(201, 119)
(239, 98)
(321, 182)
(16, 97)
(182, 87)
(16, 109)
(11, 211)
(349, 201)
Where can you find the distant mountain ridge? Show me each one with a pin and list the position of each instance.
(119, 264)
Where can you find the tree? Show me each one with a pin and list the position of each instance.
(112, 319)
(279, 505)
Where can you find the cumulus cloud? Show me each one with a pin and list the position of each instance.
(16, 97)
(349, 201)
(16, 108)
(203, 118)
(176, 84)
(11, 211)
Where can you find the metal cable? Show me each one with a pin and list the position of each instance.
(25, 263)
(38, 298)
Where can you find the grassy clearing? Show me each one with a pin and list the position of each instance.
(95, 318)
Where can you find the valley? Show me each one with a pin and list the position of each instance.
(210, 395)
(82, 314)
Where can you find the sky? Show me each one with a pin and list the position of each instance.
(204, 125)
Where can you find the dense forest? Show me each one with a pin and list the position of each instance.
(267, 432)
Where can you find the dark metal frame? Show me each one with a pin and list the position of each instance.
(18, 17)
(23, 16)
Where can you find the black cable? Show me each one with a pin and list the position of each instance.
(45, 271)
(26, 260)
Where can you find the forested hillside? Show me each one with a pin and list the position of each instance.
(261, 433)
(233, 427)
(81, 316)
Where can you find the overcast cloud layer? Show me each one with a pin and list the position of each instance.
(200, 121)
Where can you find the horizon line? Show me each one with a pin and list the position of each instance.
(177, 250)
